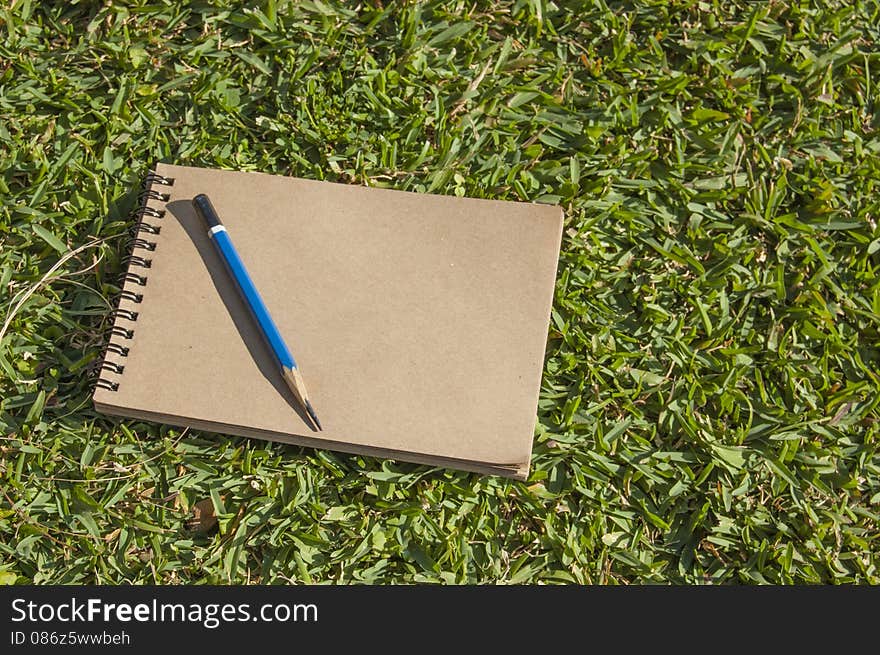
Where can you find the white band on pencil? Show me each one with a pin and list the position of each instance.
(215, 229)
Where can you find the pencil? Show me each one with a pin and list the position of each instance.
(289, 370)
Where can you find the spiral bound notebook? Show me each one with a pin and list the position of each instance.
(419, 321)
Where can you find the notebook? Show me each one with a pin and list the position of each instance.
(419, 321)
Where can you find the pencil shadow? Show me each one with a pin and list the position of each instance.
(235, 305)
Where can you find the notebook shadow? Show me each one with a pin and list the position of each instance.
(235, 305)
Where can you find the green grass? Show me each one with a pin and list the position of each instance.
(709, 410)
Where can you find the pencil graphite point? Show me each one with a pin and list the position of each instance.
(311, 411)
(295, 381)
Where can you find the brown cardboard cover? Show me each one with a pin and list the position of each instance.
(418, 321)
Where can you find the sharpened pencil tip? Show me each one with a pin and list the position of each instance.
(311, 411)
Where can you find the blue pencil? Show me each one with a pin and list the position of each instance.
(289, 371)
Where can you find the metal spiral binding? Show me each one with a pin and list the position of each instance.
(150, 194)
(118, 331)
(128, 276)
(112, 366)
(122, 351)
(140, 212)
(138, 242)
(146, 227)
(120, 315)
(135, 260)
(154, 178)
(127, 314)
(126, 294)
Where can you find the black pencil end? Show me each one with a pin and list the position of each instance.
(311, 411)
